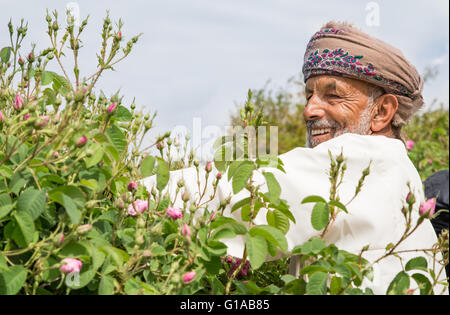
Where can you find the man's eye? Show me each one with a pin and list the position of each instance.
(332, 95)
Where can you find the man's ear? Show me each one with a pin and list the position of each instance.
(385, 108)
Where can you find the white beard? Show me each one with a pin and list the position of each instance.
(362, 128)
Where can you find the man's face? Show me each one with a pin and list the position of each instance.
(336, 105)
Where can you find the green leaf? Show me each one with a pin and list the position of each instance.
(89, 183)
(241, 203)
(117, 138)
(311, 269)
(106, 285)
(60, 82)
(97, 155)
(147, 166)
(222, 233)
(241, 176)
(69, 205)
(271, 234)
(5, 205)
(26, 226)
(233, 167)
(417, 263)
(317, 245)
(277, 219)
(5, 171)
(18, 181)
(122, 114)
(338, 204)
(423, 282)
(11, 281)
(229, 223)
(320, 215)
(335, 285)
(32, 201)
(256, 249)
(274, 187)
(157, 250)
(399, 284)
(284, 208)
(3, 263)
(313, 199)
(47, 77)
(162, 175)
(317, 284)
(5, 54)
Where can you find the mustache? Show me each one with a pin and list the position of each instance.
(321, 124)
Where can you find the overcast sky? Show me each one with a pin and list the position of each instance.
(197, 58)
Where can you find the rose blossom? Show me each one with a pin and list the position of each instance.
(71, 265)
(174, 213)
(2, 117)
(189, 276)
(132, 186)
(138, 206)
(84, 228)
(186, 230)
(409, 144)
(82, 141)
(427, 208)
(208, 167)
(18, 102)
(111, 107)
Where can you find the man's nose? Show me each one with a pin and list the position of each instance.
(313, 110)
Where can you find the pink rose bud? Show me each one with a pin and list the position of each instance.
(410, 198)
(31, 57)
(189, 276)
(430, 161)
(174, 213)
(2, 117)
(119, 36)
(26, 117)
(219, 175)
(61, 239)
(208, 167)
(82, 141)
(160, 145)
(111, 108)
(212, 216)
(18, 102)
(21, 62)
(185, 196)
(137, 207)
(84, 228)
(56, 154)
(409, 144)
(71, 265)
(146, 253)
(427, 208)
(42, 121)
(132, 186)
(186, 230)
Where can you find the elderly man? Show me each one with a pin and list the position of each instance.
(360, 92)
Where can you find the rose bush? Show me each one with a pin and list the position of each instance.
(74, 220)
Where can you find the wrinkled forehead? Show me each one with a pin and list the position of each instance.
(332, 82)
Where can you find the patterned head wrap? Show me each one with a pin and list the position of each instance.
(340, 49)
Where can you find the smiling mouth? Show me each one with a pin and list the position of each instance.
(319, 132)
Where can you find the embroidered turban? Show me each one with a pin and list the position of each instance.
(340, 49)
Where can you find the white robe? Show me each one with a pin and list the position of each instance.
(374, 217)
